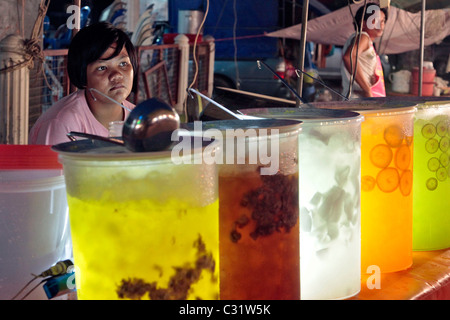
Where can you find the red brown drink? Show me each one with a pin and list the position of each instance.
(259, 236)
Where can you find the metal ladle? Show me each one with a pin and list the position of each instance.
(149, 127)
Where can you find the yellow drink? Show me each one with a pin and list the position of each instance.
(134, 249)
(386, 189)
(143, 227)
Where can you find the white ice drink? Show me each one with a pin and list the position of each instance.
(329, 160)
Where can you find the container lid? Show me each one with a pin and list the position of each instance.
(92, 149)
(28, 157)
(283, 125)
(370, 106)
(304, 114)
(422, 102)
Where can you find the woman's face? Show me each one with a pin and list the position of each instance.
(113, 77)
(374, 25)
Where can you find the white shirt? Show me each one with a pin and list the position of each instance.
(367, 61)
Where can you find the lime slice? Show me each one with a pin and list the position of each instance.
(432, 145)
(381, 155)
(444, 144)
(444, 159)
(388, 179)
(429, 130)
(441, 128)
(403, 157)
(432, 184)
(367, 183)
(406, 182)
(433, 164)
(393, 135)
(441, 174)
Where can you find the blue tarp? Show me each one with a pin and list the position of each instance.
(252, 19)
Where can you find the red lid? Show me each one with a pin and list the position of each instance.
(28, 157)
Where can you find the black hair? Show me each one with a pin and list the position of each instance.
(90, 43)
(368, 13)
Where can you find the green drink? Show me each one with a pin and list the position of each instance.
(431, 220)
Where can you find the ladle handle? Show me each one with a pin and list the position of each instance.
(319, 81)
(216, 104)
(281, 79)
(73, 134)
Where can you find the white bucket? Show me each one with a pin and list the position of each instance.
(400, 81)
(34, 228)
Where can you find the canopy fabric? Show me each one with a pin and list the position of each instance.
(402, 30)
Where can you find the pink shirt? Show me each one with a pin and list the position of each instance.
(71, 113)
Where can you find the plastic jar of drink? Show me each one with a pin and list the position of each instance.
(386, 182)
(258, 207)
(329, 166)
(144, 225)
(431, 221)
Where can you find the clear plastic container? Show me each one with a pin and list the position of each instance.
(258, 208)
(431, 223)
(142, 226)
(329, 171)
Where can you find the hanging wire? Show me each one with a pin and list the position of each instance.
(34, 288)
(60, 268)
(235, 45)
(355, 42)
(195, 56)
(24, 287)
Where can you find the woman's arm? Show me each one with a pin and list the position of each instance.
(349, 59)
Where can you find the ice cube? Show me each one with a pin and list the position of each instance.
(349, 206)
(322, 238)
(341, 175)
(333, 230)
(316, 199)
(317, 134)
(305, 220)
(332, 205)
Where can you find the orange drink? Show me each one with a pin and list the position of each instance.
(386, 189)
